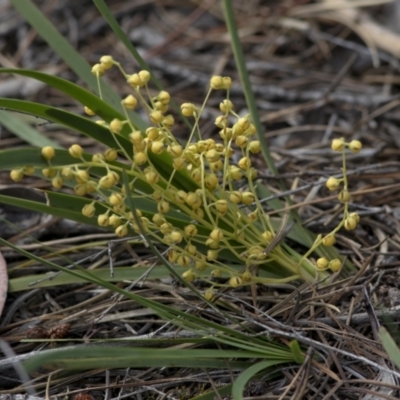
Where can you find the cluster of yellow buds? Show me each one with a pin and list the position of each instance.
(350, 220)
(199, 210)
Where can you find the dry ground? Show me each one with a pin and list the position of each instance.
(314, 79)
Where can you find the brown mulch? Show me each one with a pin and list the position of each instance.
(314, 79)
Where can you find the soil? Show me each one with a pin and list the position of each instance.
(319, 72)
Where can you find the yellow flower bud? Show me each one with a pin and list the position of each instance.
(252, 217)
(329, 240)
(136, 137)
(135, 81)
(197, 205)
(89, 112)
(201, 146)
(111, 154)
(106, 182)
(241, 141)
(322, 263)
(140, 158)
(168, 121)
(158, 219)
(115, 125)
(212, 255)
(153, 133)
(103, 220)
(209, 295)
(67, 173)
(235, 197)
(235, 281)
(163, 207)
(350, 223)
(256, 253)
(251, 130)
(80, 189)
(145, 76)
(237, 130)
(200, 264)
(244, 163)
(97, 158)
(212, 155)
(189, 275)
(16, 175)
(222, 206)
(49, 172)
(156, 117)
(175, 237)
(338, 144)
(157, 147)
(216, 82)
(88, 210)
(191, 249)
(333, 183)
(116, 199)
(190, 230)
(215, 273)
(173, 256)
(228, 152)
(75, 151)
(178, 163)
(196, 174)
(129, 102)
(180, 196)
(106, 61)
(335, 265)
(183, 260)
(226, 82)
(188, 109)
(226, 106)
(48, 152)
(267, 236)
(211, 181)
(248, 198)
(217, 166)
(121, 231)
(114, 221)
(255, 146)
(57, 182)
(152, 177)
(98, 69)
(216, 234)
(234, 172)
(29, 170)
(166, 228)
(191, 198)
(81, 176)
(175, 150)
(212, 244)
(355, 216)
(344, 196)
(164, 97)
(221, 121)
(355, 146)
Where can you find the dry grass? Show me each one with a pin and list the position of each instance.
(314, 79)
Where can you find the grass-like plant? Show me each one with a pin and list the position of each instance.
(192, 197)
(199, 198)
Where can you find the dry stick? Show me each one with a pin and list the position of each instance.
(385, 108)
(318, 103)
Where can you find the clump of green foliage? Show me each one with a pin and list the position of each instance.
(203, 202)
